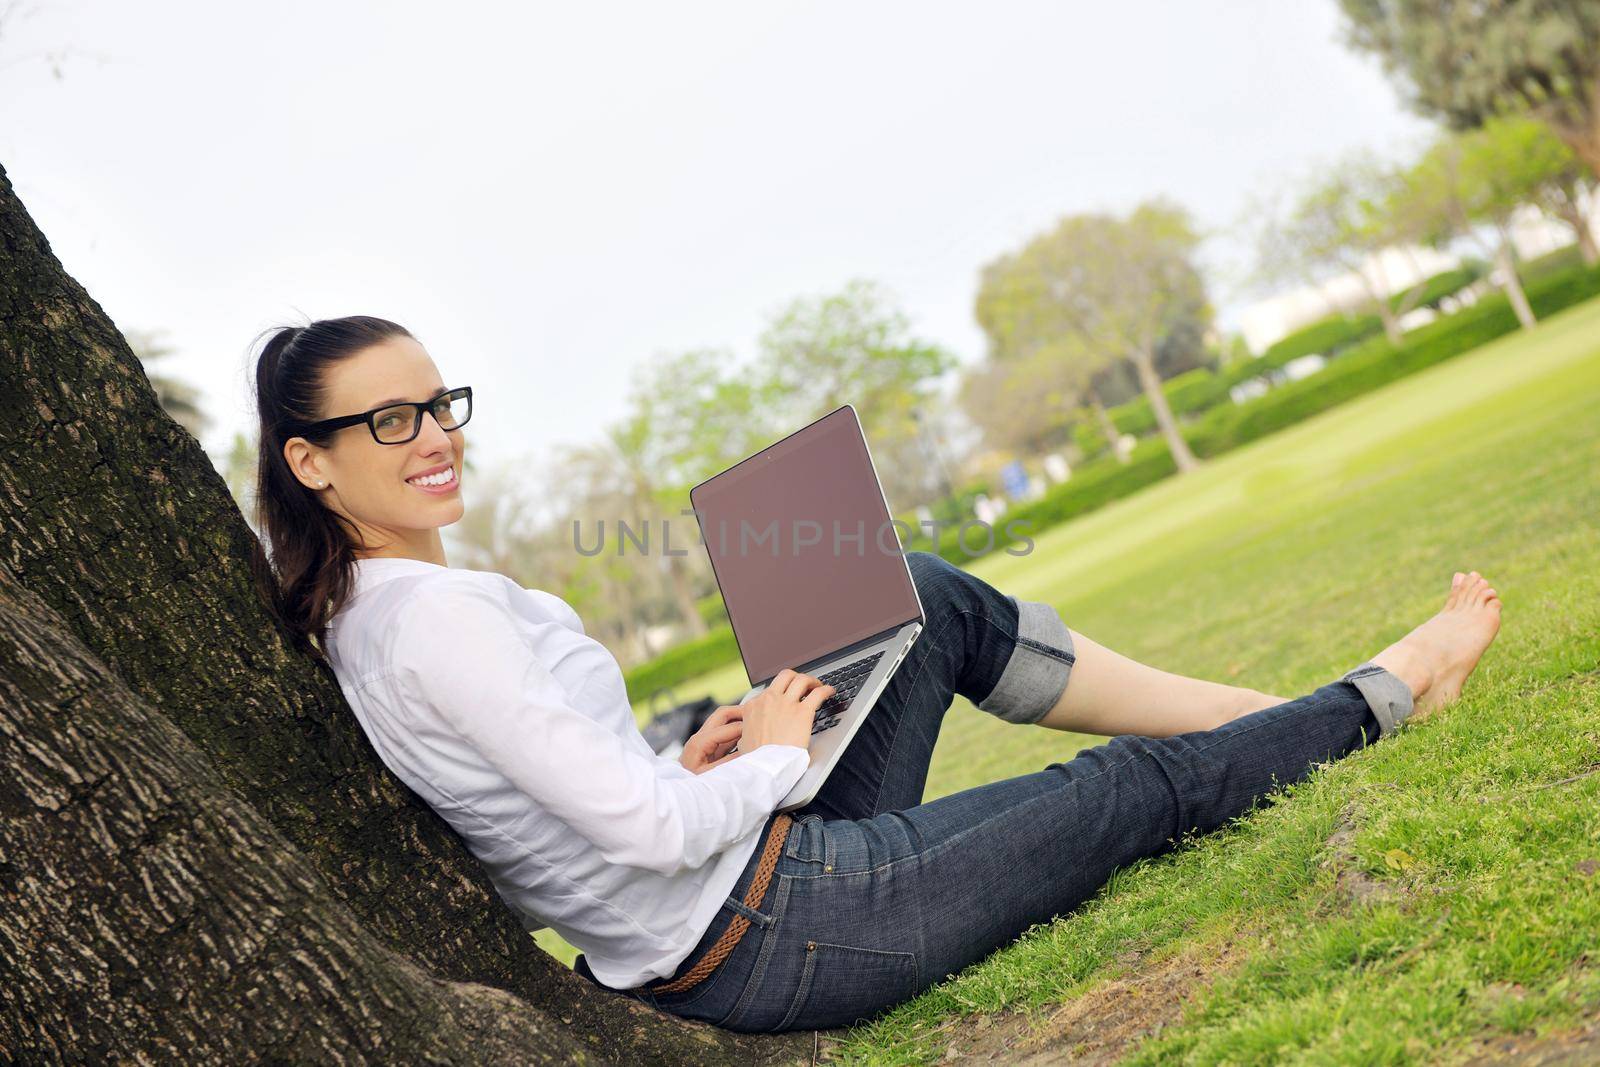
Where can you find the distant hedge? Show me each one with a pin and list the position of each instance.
(1377, 362)
(687, 660)
(1092, 485)
(1202, 388)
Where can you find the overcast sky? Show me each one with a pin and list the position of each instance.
(549, 195)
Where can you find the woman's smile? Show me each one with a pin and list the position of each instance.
(438, 481)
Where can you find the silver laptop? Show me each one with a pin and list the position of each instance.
(814, 575)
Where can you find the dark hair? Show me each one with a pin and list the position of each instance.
(312, 555)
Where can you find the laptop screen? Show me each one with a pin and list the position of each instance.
(803, 547)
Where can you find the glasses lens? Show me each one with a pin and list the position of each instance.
(453, 409)
(399, 424)
(395, 424)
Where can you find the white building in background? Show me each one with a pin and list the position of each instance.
(1267, 321)
(1391, 271)
(1536, 234)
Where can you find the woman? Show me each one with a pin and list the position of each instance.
(674, 877)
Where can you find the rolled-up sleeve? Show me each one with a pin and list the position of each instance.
(464, 656)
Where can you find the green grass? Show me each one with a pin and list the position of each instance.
(1277, 567)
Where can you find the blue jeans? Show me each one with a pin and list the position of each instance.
(877, 895)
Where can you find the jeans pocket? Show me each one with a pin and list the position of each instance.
(841, 984)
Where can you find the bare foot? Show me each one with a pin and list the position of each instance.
(1436, 657)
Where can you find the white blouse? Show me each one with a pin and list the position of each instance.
(490, 702)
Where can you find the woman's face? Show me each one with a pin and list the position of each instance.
(371, 483)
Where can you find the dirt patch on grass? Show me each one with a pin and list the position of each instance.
(1106, 1022)
(1566, 1049)
(1353, 883)
(1575, 1044)
(1101, 1025)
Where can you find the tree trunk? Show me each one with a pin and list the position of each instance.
(635, 630)
(683, 592)
(1151, 383)
(194, 829)
(151, 915)
(1107, 427)
(1385, 311)
(1586, 244)
(1513, 283)
(1572, 214)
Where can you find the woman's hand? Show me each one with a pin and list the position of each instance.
(781, 714)
(711, 743)
(784, 712)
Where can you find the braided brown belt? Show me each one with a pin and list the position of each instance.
(724, 945)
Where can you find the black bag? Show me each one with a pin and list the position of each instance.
(667, 731)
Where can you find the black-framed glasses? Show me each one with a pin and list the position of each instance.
(395, 424)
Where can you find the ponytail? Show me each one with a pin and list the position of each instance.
(312, 568)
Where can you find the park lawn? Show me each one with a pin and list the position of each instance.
(1453, 902)
(1460, 896)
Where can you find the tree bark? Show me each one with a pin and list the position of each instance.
(151, 916)
(1150, 382)
(115, 519)
(1513, 283)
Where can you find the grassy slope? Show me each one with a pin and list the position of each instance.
(1279, 566)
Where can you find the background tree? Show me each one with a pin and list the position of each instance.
(689, 418)
(1468, 182)
(1022, 406)
(704, 413)
(1341, 222)
(854, 346)
(178, 398)
(238, 469)
(1561, 184)
(496, 532)
(1463, 61)
(605, 488)
(656, 496)
(1031, 354)
(1098, 289)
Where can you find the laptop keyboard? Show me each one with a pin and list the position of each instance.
(847, 682)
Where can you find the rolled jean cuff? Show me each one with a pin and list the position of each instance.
(1036, 673)
(1389, 697)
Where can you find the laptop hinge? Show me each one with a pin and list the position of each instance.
(854, 646)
